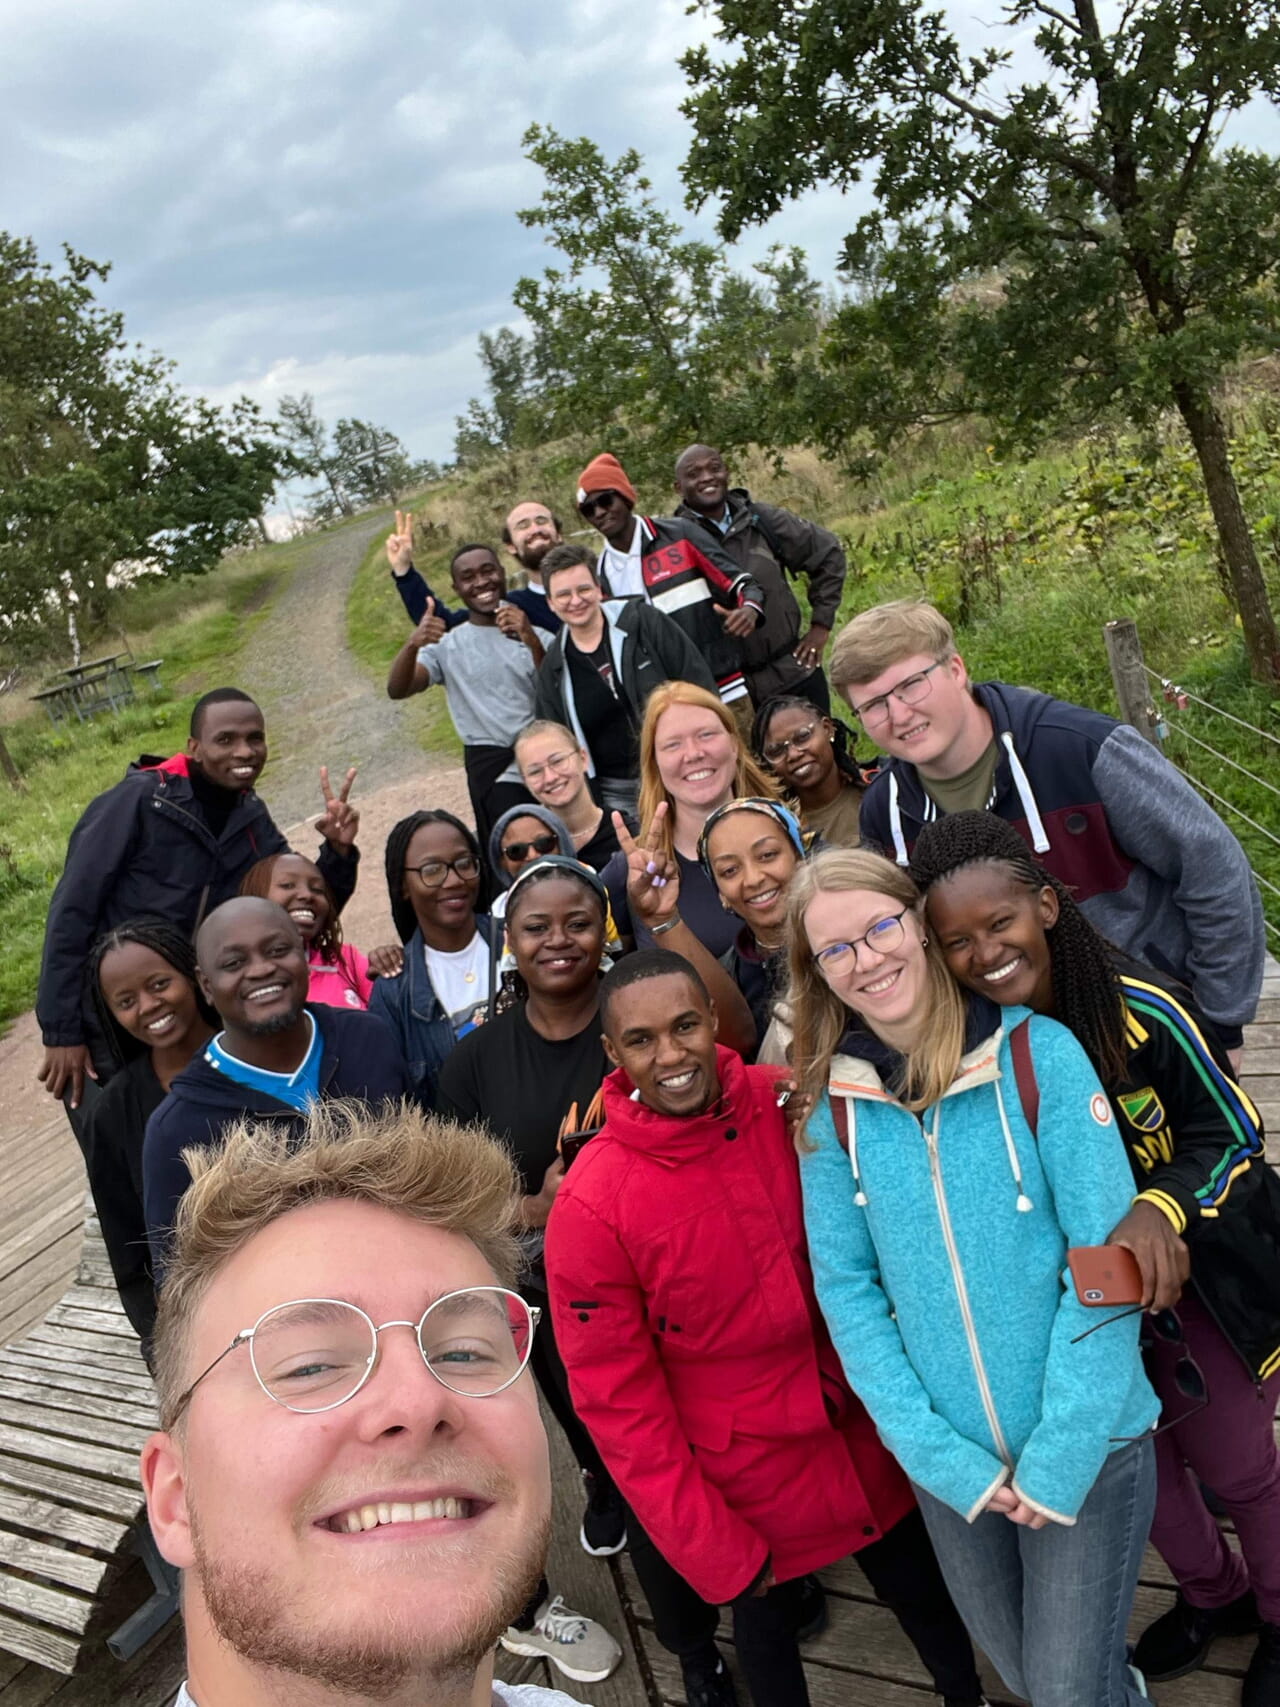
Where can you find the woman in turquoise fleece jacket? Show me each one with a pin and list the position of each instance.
(938, 1227)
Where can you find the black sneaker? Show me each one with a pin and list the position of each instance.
(604, 1523)
(706, 1680)
(1261, 1686)
(1179, 1640)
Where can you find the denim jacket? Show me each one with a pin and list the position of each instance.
(409, 1005)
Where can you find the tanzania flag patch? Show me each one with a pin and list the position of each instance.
(1143, 1109)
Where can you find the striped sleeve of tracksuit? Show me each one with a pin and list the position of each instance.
(1215, 1130)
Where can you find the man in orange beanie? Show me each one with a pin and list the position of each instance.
(676, 568)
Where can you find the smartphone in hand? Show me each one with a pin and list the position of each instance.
(1105, 1276)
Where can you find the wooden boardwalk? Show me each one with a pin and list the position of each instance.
(861, 1660)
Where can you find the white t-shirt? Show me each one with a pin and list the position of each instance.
(460, 980)
(504, 1695)
(624, 570)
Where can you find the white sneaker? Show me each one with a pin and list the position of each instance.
(581, 1648)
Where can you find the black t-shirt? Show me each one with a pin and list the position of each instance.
(603, 844)
(521, 1085)
(607, 719)
(699, 906)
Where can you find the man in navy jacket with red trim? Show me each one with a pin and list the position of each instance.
(172, 840)
(678, 569)
(1153, 866)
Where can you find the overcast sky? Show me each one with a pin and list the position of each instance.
(320, 195)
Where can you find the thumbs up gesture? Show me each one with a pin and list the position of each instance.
(432, 627)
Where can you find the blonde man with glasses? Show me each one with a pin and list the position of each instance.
(352, 1474)
(602, 666)
(1155, 869)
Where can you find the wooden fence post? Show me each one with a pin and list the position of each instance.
(1133, 691)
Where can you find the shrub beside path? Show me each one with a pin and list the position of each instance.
(321, 708)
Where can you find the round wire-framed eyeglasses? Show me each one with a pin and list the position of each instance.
(313, 1354)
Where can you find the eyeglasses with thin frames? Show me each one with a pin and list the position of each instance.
(553, 761)
(909, 691)
(883, 937)
(779, 749)
(1188, 1376)
(313, 1354)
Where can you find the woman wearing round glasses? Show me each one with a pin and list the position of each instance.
(437, 888)
(1204, 1225)
(939, 1204)
(809, 754)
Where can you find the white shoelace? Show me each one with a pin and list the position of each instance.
(562, 1625)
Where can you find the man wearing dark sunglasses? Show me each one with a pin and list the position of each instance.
(351, 1474)
(678, 569)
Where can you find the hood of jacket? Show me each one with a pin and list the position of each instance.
(544, 815)
(672, 1138)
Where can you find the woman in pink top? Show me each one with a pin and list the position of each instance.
(339, 973)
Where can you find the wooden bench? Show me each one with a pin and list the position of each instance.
(76, 1405)
(149, 672)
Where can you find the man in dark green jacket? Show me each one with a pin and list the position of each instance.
(770, 543)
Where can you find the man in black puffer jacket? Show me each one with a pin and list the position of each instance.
(172, 840)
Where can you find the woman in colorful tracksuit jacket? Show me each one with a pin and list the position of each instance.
(939, 1245)
(1197, 1154)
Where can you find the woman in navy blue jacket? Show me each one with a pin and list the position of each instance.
(437, 886)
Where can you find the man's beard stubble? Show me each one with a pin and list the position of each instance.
(530, 556)
(245, 1610)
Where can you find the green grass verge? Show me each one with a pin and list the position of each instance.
(198, 628)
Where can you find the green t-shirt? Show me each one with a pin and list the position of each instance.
(968, 792)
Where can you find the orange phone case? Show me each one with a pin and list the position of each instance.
(1105, 1275)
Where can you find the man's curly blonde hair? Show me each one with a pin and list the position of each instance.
(431, 1170)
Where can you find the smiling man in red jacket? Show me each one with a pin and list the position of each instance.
(685, 1313)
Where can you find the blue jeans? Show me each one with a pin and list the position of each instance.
(1049, 1606)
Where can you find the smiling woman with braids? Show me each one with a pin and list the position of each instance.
(809, 754)
(1208, 1207)
(142, 979)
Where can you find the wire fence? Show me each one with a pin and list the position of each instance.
(1177, 707)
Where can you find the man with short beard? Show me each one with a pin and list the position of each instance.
(528, 534)
(351, 1474)
(274, 1059)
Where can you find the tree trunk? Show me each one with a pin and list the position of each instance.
(1208, 436)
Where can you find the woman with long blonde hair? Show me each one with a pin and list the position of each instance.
(954, 1152)
(692, 760)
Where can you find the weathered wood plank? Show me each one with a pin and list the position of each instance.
(107, 1347)
(76, 1426)
(45, 1647)
(82, 1393)
(59, 1564)
(64, 1522)
(49, 1605)
(75, 1454)
(33, 1355)
(115, 1324)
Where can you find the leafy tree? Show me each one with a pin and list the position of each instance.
(1041, 251)
(103, 460)
(642, 333)
(372, 463)
(307, 438)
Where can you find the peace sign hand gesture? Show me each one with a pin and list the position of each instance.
(400, 544)
(340, 821)
(653, 877)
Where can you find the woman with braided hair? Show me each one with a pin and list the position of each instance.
(809, 754)
(147, 1000)
(1204, 1226)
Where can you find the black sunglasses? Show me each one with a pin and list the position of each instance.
(595, 503)
(540, 845)
(1188, 1377)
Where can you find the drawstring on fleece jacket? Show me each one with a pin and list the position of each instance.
(929, 810)
(1023, 1203)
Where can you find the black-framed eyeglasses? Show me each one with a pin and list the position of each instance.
(313, 1354)
(540, 845)
(882, 938)
(1188, 1377)
(779, 749)
(434, 871)
(597, 502)
(910, 691)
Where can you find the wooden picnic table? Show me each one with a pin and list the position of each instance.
(102, 684)
(76, 670)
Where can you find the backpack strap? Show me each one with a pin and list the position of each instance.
(1024, 1072)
